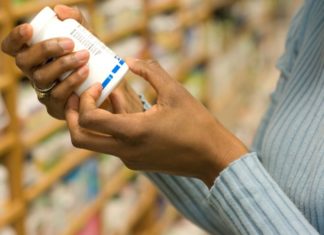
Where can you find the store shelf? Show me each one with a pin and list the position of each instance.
(6, 141)
(68, 163)
(196, 16)
(113, 186)
(32, 7)
(3, 17)
(170, 214)
(11, 212)
(189, 65)
(158, 8)
(5, 81)
(30, 139)
(145, 202)
(222, 3)
(131, 29)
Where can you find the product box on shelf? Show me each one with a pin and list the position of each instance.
(115, 15)
(51, 212)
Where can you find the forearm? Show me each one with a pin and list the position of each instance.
(243, 200)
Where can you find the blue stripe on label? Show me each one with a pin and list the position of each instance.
(106, 81)
(121, 62)
(115, 70)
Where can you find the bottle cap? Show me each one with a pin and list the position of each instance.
(40, 20)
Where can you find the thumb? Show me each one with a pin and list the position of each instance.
(72, 106)
(72, 103)
(89, 98)
(152, 72)
(64, 12)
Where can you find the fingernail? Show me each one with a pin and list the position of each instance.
(82, 56)
(66, 44)
(83, 71)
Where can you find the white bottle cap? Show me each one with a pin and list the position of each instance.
(40, 20)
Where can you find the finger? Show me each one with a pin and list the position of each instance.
(89, 98)
(47, 74)
(116, 99)
(152, 72)
(41, 52)
(102, 121)
(65, 89)
(17, 39)
(72, 105)
(84, 139)
(64, 12)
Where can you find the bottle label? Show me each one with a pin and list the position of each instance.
(89, 41)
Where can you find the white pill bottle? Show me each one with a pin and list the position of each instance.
(105, 66)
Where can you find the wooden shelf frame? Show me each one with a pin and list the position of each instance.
(32, 7)
(31, 139)
(13, 211)
(169, 216)
(191, 17)
(134, 28)
(189, 65)
(5, 81)
(68, 163)
(3, 17)
(6, 142)
(119, 180)
(145, 201)
(158, 8)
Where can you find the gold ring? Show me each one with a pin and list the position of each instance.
(42, 93)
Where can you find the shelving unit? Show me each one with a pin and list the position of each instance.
(29, 8)
(74, 159)
(112, 187)
(6, 141)
(33, 138)
(13, 211)
(111, 37)
(14, 142)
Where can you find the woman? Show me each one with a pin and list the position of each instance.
(277, 187)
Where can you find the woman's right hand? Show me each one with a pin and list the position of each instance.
(33, 61)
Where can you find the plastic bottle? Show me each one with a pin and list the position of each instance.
(105, 66)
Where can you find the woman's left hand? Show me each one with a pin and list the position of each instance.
(176, 136)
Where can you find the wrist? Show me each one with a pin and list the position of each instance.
(222, 149)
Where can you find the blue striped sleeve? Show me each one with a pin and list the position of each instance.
(243, 200)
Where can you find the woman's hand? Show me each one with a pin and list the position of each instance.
(33, 61)
(176, 136)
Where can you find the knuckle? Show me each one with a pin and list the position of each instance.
(63, 63)
(153, 63)
(47, 48)
(56, 98)
(85, 119)
(70, 82)
(73, 81)
(75, 141)
(20, 60)
(38, 76)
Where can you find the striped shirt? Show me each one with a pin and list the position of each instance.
(277, 188)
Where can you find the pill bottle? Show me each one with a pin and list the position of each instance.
(105, 66)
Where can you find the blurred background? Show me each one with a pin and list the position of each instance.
(223, 51)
